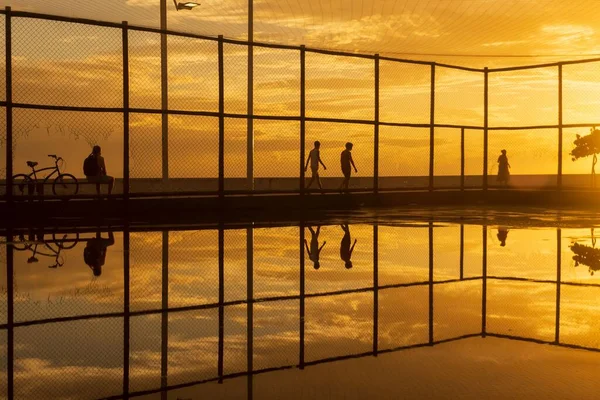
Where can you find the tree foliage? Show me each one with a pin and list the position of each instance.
(586, 255)
(586, 145)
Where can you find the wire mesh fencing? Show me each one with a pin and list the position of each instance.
(414, 124)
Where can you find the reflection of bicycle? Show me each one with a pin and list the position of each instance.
(62, 243)
(63, 184)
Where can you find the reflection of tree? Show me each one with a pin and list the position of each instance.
(586, 255)
(585, 146)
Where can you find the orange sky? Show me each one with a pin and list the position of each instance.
(66, 64)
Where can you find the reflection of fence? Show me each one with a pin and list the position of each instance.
(175, 141)
(163, 310)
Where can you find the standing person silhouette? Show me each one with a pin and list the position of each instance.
(345, 249)
(503, 169)
(314, 157)
(96, 171)
(502, 235)
(315, 250)
(347, 162)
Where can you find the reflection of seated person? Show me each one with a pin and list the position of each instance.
(345, 249)
(94, 253)
(315, 250)
(502, 234)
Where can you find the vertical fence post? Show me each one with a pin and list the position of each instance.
(302, 117)
(221, 300)
(376, 133)
(484, 283)
(164, 91)
(250, 121)
(126, 309)
(221, 121)
(125, 112)
(462, 158)
(485, 127)
(431, 127)
(375, 289)
(560, 126)
(462, 252)
(249, 307)
(558, 282)
(165, 313)
(9, 114)
(302, 300)
(10, 315)
(431, 283)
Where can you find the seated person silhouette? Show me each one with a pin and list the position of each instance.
(345, 249)
(94, 169)
(315, 250)
(502, 235)
(94, 253)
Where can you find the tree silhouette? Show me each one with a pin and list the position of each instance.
(588, 145)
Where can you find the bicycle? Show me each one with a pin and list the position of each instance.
(63, 243)
(63, 184)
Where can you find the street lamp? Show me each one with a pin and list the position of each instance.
(186, 5)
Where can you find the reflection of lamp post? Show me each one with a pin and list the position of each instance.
(186, 5)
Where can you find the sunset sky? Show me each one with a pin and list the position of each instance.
(66, 64)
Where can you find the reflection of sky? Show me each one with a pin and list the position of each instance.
(84, 358)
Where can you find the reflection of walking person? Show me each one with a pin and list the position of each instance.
(314, 157)
(503, 169)
(315, 250)
(94, 253)
(347, 162)
(502, 235)
(345, 249)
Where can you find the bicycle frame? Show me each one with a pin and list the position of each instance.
(55, 170)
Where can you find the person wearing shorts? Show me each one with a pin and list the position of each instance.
(314, 158)
(347, 163)
(101, 177)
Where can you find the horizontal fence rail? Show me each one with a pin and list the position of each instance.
(227, 177)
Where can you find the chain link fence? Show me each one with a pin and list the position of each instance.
(68, 79)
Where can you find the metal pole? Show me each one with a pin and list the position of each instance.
(9, 116)
(560, 127)
(125, 112)
(431, 283)
(431, 127)
(221, 301)
(250, 123)
(164, 91)
(485, 128)
(302, 292)
(165, 313)
(462, 251)
(250, 304)
(462, 158)
(376, 127)
(484, 282)
(126, 309)
(10, 296)
(375, 290)
(302, 119)
(558, 282)
(221, 121)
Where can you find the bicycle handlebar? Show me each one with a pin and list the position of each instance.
(52, 155)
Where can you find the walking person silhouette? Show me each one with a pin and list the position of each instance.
(503, 169)
(345, 249)
(347, 162)
(314, 157)
(314, 251)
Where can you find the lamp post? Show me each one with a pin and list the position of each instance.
(250, 111)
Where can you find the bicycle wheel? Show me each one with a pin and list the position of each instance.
(65, 185)
(22, 185)
(65, 241)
